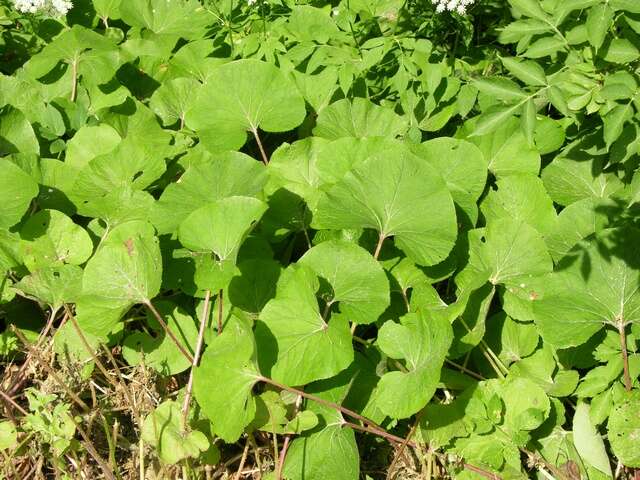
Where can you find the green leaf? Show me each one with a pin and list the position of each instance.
(595, 285)
(159, 351)
(8, 435)
(528, 120)
(569, 180)
(220, 176)
(506, 149)
(127, 267)
(529, 72)
(330, 449)
(230, 361)
(628, 5)
(530, 8)
(90, 142)
(574, 223)
(16, 133)
(461, 164)
(17, 189)
(624, 429)
(173, 99)
(522, 198)
(163, 430)
(510, 252)
(358, 284)
(308, 24)
(383, 193)
(422, 343)
(50, 238)
(588, 441)
(621, 50)
(221, 226)
(247, 95)
(500, 88)
(544, 47)
(599, 20)
(55, 285)
(183, 18)
(493, 118)
(96, 57)
(360, 118)
(614, 122)
(299, 345)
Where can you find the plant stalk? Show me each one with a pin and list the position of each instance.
(158, 317)
(625, 355)
(196, 358)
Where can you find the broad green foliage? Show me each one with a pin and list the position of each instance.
(243, 96)
(163, 430)
(386, 214)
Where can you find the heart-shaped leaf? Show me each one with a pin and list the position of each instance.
(220, 176)
(163, 430)
(423, 344)
(384, 193)
(223, 381)
(50, 238)
(358, 283)
(244, 96)
(299, 345)
(595, 285)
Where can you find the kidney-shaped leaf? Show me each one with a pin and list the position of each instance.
(243, 96)
(360, 118)
(222, 175)
(299, 344)
(358, 283)
(399, 195)
(220, 227)
(223, 381)
(163, 429)
(127, 267)
(423, 344)
(51, 238)
(596, 284)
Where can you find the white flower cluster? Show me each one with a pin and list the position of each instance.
(54, 8)
(459, 6)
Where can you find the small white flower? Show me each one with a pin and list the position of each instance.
(54, 8)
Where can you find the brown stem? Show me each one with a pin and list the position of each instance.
(283, 455)
(220, 310)
(395, 439)
(20, 376)
(50, 370)
(93, 452)
(464, 369)
(88, 348)
(196, 358)
(242, 460)
(381, 238)
(265, 159)
(321, 401)
(158, 317)
(10, 400)
(403, 445)
(125, 387)
(625, 356)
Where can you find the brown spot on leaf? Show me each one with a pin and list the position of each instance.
(129, 245)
